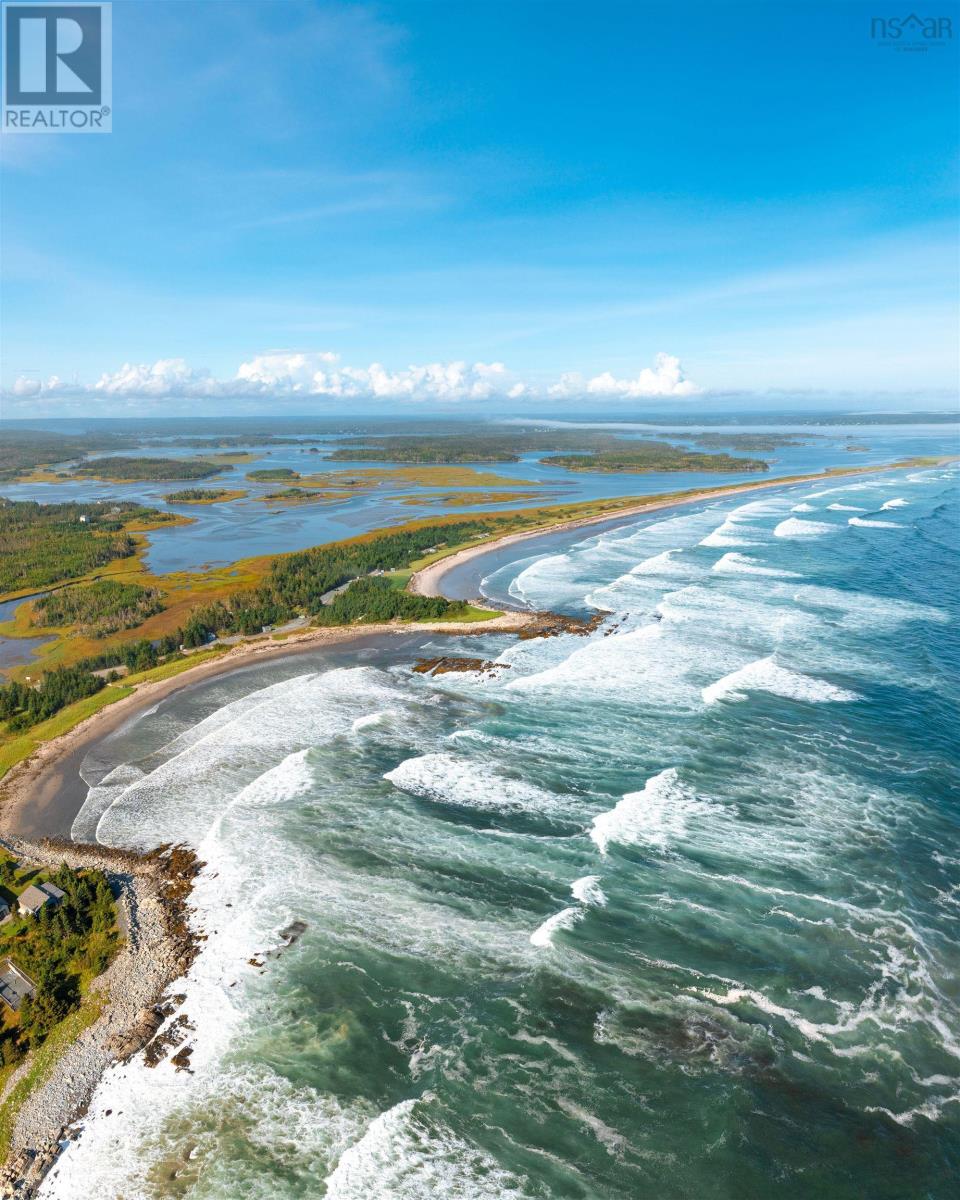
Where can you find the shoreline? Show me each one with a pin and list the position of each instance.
(152, 893)
(159, 947)
(30, 787)
(427, 581)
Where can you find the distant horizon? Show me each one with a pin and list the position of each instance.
(426, 205)
(557, 414)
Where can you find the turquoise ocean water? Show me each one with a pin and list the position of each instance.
(669, 911)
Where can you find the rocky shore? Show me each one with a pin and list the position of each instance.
(152, 893)
(152, 900)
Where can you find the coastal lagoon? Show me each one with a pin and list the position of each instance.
(668, 910)
(223, 533)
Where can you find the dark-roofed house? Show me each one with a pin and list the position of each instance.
(32, 899)
(15, 985)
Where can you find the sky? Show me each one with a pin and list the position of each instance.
(309, 207)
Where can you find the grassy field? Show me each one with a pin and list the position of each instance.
(447, 476)
(465, 499)
(15, 748)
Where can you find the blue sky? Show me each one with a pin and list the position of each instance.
(447, 201)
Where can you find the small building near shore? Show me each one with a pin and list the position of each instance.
(34, 898)
(15, 985)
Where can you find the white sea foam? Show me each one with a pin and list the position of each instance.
(372, 719)
(588, 891)
(237, 749)
(846, 508)
(730, 533)
(766, 675)
(793, 527)
(466, 783)
(867, 524)
(565, 919)
(656, 816)
(240, 913)
(663, 563)
(645, 661)
(733, 563)
(550, 571)
(861, 609)
(404, 1156)
(803, 507)
(898, 502)
(613, 1142)
(765, 507)
(704, 632)
(739, 995)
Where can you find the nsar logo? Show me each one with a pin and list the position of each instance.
(911, 33)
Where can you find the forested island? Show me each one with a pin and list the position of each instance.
(272, 474)
(203, 495)
(606, 452)
(654, 456)
(123, 468)
(23, 450)
(479, 447)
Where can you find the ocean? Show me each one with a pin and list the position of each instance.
(665, 911)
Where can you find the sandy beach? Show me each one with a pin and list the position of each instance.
(39, 799)
(40, 796)
(428, 582)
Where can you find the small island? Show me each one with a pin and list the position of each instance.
(125, 469)
(300, 495)
(639, 457)
(203, 496)
(272, 474)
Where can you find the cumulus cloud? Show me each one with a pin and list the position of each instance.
(665, 378)
(280, 369)
(167, 377)
(290, 374)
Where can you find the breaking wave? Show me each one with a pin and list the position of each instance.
(864, 523)
(740, 564)
(766, 675)
(565, 919)
(588, 891)
(656, 817)
(793, 527)
(464, 783)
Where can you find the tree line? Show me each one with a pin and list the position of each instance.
(101, 608)
(43, 543)
(297, 582)
(128, 467)
(22, 705)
